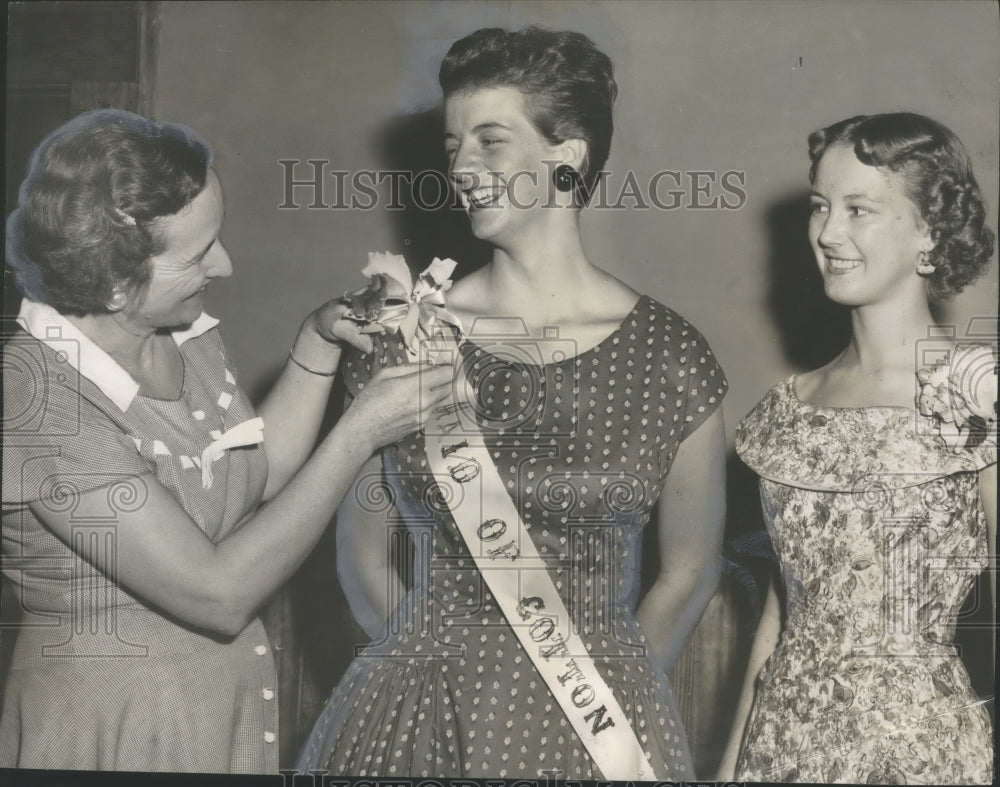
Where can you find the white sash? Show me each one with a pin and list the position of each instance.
(519, 581)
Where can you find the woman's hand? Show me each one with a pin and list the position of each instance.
(323, 335)
(397, 401)
(329, 323)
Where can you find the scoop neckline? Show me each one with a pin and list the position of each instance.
(790, 384)
(574, 358)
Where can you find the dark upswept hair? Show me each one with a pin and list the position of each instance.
(937, 173)
(84, 225)
(568, 83)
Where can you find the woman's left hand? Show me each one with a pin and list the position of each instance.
(329, 323)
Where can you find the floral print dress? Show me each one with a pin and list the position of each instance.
(880, 531)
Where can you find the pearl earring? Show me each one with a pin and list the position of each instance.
(925, 268)
(118, 301)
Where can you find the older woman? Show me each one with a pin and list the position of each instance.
(519, 648)
(134, 465)
(878, 480)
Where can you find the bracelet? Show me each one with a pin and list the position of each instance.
(309, 368)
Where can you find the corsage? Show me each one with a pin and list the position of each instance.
(393, 303)
(959, 397)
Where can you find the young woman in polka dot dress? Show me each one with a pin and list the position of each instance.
(589, 424)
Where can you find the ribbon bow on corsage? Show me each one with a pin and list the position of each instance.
(959, 395)
(392, 303)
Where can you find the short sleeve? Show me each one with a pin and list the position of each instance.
(706, 383)
(56, 439)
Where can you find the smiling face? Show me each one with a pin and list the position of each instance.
(192, 256)
(496, 159)
(865, 231)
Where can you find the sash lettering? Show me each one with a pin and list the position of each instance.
(582, 695)
(464, 471)
(507, 550)
(573, 673)
(526, 594)
(527, 606)
(492, 530)
(448, 450)
(597, 725)
(447, 417)
(558, 648)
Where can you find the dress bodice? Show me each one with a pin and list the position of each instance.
(583, 446)
(879, 528)
(877, 524)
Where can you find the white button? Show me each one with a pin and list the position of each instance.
(268, 737)
(268, 694)
(260, 650)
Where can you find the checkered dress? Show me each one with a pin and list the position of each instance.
(100, 679)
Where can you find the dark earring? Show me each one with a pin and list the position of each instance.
(565, 177)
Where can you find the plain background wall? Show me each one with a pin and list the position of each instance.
(704, 86)
(711, 86)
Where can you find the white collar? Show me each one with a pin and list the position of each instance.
(52, 328)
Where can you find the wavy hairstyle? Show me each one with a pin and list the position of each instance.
(568, 84)
(85, 224)
(937, 173)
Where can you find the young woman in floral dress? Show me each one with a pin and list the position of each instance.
(878, 482)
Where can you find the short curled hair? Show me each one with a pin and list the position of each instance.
(938, 178)
(84, 225)
(568, 83)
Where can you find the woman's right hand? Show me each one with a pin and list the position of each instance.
(397, 401)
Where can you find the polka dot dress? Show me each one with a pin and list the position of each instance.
(583, 445)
